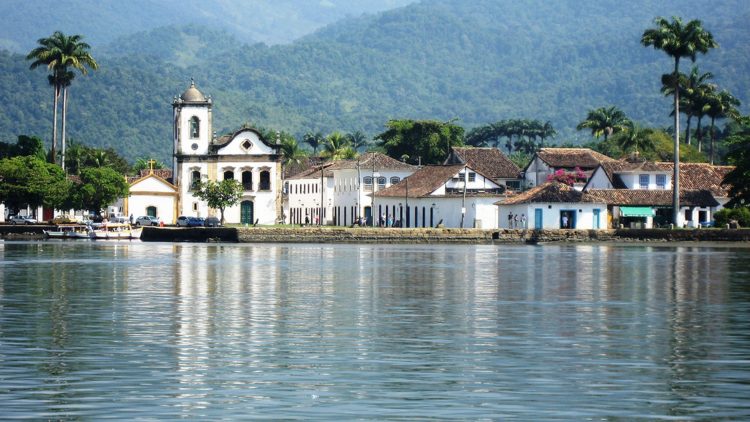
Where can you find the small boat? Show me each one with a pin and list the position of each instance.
(116, 231)
(69, 231)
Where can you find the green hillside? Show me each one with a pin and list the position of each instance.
(478, 62)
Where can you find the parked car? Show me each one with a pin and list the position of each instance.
(212, 222)
(147, 220)
(186, 221)
(22, 219)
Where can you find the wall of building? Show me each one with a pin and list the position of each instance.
(581, 214)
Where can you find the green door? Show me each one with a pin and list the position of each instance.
(246, 212)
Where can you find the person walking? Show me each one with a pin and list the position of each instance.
(523, 221)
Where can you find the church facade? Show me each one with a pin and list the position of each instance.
(243, 156)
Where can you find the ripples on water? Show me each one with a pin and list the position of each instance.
(158, 331)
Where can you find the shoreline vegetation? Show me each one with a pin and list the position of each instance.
(314, 234)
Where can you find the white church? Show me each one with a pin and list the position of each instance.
(198, 155)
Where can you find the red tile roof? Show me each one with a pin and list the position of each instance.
(552, 192)
(584, 158)
(491, 162)
(423, 182)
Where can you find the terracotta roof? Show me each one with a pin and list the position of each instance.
(552, 192)
(292, 169)
(423, 182)
(698, 176)
(367, 160)
(584, 158)
(652, 197)
(489, 161)
(165, 174)
(314, 172)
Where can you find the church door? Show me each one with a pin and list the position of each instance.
(246, 212)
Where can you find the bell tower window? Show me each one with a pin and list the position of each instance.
(195, 126)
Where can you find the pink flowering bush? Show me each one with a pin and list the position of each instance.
(568, 178)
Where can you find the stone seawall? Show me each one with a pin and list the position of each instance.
(434, 236)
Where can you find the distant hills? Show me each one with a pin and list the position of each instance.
(478, 62)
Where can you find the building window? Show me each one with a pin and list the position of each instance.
(643, 181)
(195, 127)
(367, 181)
(247, 180)
(151, 211)
(513, 184)
(265, 180)
(229, 175)
(472, 176)
(195, 179)
(381, 182)
(661, 181)
(395, 180)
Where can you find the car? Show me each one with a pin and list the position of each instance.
(22, 219)
(147, 220)
(186, 221)
(707, 223)
(212, 222)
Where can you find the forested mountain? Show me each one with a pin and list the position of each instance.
(102, 21)
(478, 62)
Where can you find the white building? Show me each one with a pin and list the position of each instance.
(344, 188)
(547, 161)
(452, 195)
(489, 161)
(243, 156)
(152, 194)
(553, 205)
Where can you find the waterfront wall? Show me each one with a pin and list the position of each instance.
(436, 236)
(394, 235)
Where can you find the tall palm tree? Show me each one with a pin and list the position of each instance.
(678, 40)
(700, 101)
(315, 140)
(635, 139)
(547, 131)
(60, 53)
(604, 121)
(721, 105)
(690, 87)
(358, 140)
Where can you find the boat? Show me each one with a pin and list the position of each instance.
(116, 231)
(69, 231)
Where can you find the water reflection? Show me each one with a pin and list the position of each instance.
(206, 331)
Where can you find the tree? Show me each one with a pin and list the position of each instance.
(337, 147)
(24, 146)
(358, 140)
(678, 40)
(691, 86)
(219, 195)
(428, 140)
(30, 181)
(720, 106)
(604, 121)
(547, 131)
(315, 140)
(635, 139)
(61, 53)
(738, 179)
(98, 187)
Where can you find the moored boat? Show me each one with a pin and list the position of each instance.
(116, 231)
(69, 231)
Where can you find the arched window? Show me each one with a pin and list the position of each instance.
(247, 180)
(265, 180)
(195, 127)
(381, 182)
(229, 175)
(395, 180)
(367, 180)
(195, 179)
(151, 211)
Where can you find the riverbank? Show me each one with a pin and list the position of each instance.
(393, 235)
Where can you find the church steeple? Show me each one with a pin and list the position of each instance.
(192, 122)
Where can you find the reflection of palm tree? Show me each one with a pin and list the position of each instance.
(678, 40)
(604, 121)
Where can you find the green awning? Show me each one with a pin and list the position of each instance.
(637, 211)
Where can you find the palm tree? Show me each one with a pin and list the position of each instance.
(75, 158)
(315, 140)
(678, 40)
(547, 131)
(337, 147)
(60, 53)
(721, 105)
(605, 121)
(358, 140)
(690, 90)
(291, 153)
(700, 103)
(635, 138)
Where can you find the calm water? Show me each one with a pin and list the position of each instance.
(97, 330)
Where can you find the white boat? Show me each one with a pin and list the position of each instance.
(69, 231)
(116, 231)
